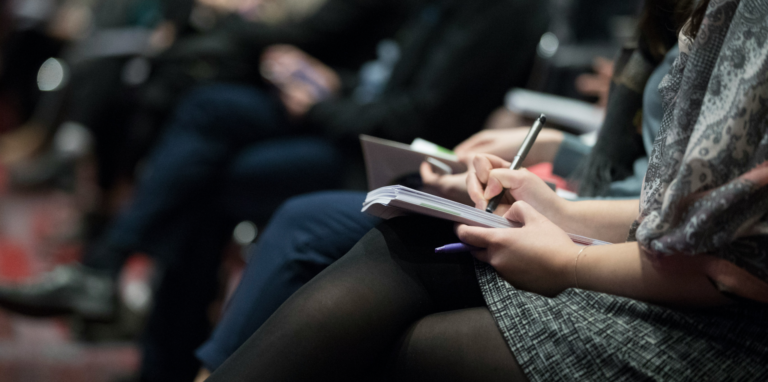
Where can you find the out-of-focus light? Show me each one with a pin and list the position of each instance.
(137, 296)
(245, 233)
(136, 71)
(548, 45)
(72, 139)
(52, 75)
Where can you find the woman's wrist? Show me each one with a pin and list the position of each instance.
(567, 267)
(607, 220)
(562, 213)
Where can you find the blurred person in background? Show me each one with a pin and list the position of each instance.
(233, 152)
(171, 46)
(131, 60)
(86, 91)
(99, 99)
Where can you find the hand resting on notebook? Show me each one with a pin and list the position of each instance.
(537, 257)
(505, 143)
(449, 186)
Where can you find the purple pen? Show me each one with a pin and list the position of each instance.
(457, 248)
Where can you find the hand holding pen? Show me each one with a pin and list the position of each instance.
(517, 162)
(493, 203)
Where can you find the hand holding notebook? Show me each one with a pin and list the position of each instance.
(392, 201)
(539, 256)
(386, 162)
(520, 245)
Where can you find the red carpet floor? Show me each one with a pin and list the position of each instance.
(37, 231)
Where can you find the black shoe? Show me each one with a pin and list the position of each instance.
(68, 289)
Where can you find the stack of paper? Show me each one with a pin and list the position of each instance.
(391, 201)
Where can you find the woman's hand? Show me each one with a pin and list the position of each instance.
(298, 97)
(599, 83)
(449, 186)
(302, 80)
(489, 175)
(538, 257)
(505, 143)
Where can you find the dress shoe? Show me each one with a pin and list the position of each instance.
(68, 289)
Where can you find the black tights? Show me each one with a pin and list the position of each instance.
(390, 309)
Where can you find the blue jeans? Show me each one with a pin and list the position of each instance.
(229, 154)
(306, 235)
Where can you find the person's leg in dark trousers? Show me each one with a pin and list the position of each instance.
(306, 234)
(378, 308)
(99, 100)
(179, 320)
(189, 249)
(269, 172)
(211, 126)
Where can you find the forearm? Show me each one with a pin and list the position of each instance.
(622, 270)
(607, 220)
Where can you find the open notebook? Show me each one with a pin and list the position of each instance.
(392, 201)
(387, 161)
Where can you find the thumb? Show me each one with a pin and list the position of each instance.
(427, 175)
(524, 213)
(475, 236)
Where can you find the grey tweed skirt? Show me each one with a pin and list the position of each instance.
(588, 336)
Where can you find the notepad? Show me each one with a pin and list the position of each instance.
(392, 201)
(386, 161)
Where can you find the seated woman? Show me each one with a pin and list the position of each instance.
(297, 245)
(686, 301)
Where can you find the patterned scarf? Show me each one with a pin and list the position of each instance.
(705, 190)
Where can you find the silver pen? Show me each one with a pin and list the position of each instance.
(517, 162)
